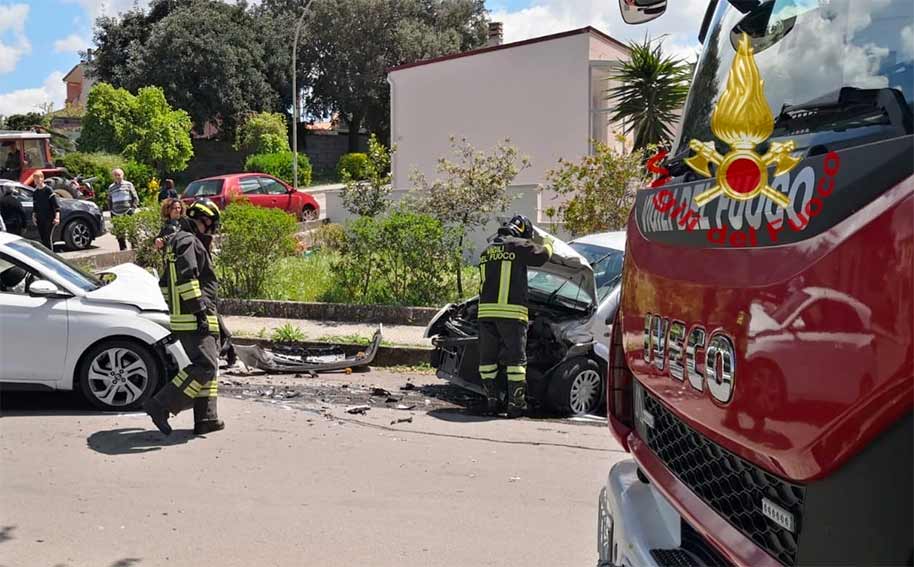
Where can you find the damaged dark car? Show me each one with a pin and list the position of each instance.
(572, 301)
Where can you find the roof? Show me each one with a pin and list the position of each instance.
(21, 134)
(614, 240)
(541, 39)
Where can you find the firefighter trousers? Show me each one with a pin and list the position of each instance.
(195, 385)
(503, 345)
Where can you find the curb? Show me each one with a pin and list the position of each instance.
(105, 260)
(385, 314)
(386, 355)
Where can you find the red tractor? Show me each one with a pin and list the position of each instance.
(25, 152)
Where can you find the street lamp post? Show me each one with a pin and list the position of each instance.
(295, 110)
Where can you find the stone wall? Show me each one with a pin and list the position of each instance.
(211, 157)
(325, 151)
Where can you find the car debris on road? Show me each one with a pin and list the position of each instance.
(285, 359)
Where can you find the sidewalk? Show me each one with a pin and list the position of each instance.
(262, 327)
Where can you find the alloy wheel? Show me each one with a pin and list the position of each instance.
(81, 237)
(585, 392)
(118, 376)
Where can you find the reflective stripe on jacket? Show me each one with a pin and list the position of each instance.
(503, 271)
(189, 283)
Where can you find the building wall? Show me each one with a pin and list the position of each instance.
(536, 95)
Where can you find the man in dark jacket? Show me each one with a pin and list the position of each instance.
(190, 287)
(168, 190)
(45, 209)
(11, 211)
(503, 310)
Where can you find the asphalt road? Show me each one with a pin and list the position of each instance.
(297, 480)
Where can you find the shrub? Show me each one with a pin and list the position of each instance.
(253, 240)
(301, 278)
(263, 133)
(288, 333)
(140, 229)
(400, 259)
(100, 165)
(352, 166)
(369, 197)
(280, 165)
(330, 236)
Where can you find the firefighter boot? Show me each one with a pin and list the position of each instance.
(491, 403)
(159, 415)
(206, 418)
(517, 399)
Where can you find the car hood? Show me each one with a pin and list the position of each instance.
(132, 286)
(566, 263)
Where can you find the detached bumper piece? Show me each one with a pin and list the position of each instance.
(290, 360)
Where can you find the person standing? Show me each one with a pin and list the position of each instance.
(168, 190)
(45, 209)
(503, 310)
(11, 212)
(190, 284)
(122, 199)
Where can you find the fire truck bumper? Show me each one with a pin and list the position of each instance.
(636, 525)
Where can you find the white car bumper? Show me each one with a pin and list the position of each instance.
(634, 520)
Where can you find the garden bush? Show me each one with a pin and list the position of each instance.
(254, 239)
(263, 133)
(100, 165)
(280, 165)
(399, 259)
(330, 237)
(352, 166)
(140, 230)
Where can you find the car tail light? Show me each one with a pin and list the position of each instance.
(619, 390)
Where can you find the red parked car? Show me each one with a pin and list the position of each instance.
(260, 189)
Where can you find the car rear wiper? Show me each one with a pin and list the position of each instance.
(845, 104)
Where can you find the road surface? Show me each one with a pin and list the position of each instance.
(297, 480)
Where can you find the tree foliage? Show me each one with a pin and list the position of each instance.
(368, 195)
(600, 188)
(263, 133)
(470, 190)
(25, 121)
(653, 86)
(280, 165)
(144, 128)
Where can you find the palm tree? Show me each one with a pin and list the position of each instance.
(652, 88)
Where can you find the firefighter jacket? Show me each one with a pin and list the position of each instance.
(503, 271)
(189, 283)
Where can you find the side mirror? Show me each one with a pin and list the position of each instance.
(44, 288)
(641, 11)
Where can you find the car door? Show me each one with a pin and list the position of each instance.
(279, 195)
(33, 330)
(250, 189)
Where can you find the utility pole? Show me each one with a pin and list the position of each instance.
(296, 115)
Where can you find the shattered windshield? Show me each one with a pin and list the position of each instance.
(556, 289)
(836, 73)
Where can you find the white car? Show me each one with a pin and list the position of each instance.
(64, 329)
(573, 299)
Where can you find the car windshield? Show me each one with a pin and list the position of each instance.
(837, 73)
(555, 289)
(51, 263)
(606, 264)
(204, 188)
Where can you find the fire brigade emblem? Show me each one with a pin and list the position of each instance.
(742, 119)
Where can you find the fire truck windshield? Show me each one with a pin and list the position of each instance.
(837, 73)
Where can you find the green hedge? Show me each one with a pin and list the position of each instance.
(140, 229)
(100, 166)
(280, 165)
(353, 167)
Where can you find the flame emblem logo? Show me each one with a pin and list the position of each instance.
(743, 120)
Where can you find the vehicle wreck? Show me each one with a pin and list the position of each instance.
(290, 358)
(568, 323)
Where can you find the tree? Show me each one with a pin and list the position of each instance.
(25, 121)
(144, 128)
(263, 133)
(601, 188)
(472, 189)
(348, 46)
(369, 197)
(653, 87)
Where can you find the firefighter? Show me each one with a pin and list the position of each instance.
(503, 310)
(189, 284)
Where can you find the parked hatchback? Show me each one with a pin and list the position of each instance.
(81, 222)
(260, 189)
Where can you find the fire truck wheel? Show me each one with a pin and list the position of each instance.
(576, 387)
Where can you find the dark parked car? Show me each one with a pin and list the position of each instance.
(259, 189)
(81, 222)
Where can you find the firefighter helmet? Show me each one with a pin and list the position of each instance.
(205, 208)
(519, 226)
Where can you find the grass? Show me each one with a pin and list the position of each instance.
(350, 340)
(308, 278)
(288, 333)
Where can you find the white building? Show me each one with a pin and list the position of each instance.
(547, 95)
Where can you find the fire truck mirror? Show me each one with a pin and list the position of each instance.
(641, 11)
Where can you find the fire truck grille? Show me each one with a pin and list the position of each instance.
(730, 485)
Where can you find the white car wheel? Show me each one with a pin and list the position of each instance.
(118, 375)
(585, 392)
(576, 387)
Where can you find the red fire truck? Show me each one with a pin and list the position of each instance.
(762, 363)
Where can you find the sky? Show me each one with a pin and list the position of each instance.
(40, 39)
